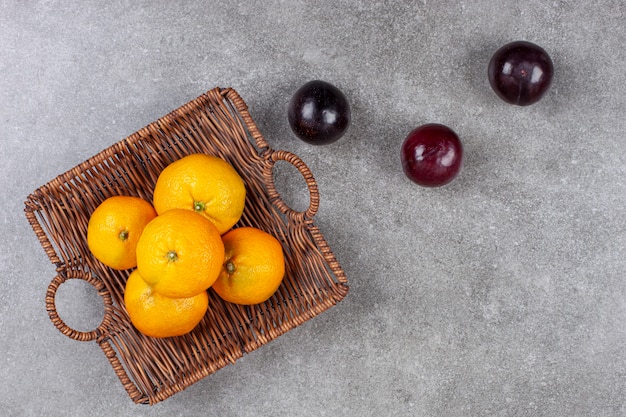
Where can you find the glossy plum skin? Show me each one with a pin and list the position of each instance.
(520, 73)
(431, 155)
(319, 113)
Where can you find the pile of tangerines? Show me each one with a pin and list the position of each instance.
(183, 244)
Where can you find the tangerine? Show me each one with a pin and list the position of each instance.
(205, 184)
(254, 266)
(158, 316)
(180, 253)
(114, 229)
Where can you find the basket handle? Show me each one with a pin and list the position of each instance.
(54, 316)
(314, 197)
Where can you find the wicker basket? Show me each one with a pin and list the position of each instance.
(217, 123)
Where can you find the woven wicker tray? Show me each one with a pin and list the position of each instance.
(217, 123)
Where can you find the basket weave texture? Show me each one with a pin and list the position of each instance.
(217, 123)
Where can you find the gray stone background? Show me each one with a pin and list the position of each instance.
(501, 294)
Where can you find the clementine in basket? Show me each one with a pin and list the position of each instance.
(205, 184)
(254, 266)
(114, 229)
(158, 316)
(180, 253)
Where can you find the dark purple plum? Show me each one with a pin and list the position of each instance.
(432, 155)
(319, 113)
(520, 73)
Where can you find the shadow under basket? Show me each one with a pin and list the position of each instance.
(216, 123)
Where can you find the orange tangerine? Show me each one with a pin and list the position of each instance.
(180, 253)
(253, 268)
(114, 229)
(158, 316)
(205, 184)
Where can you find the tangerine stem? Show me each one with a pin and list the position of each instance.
(198, 206)
(230, 268)
(172, 256)
(123, 235)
